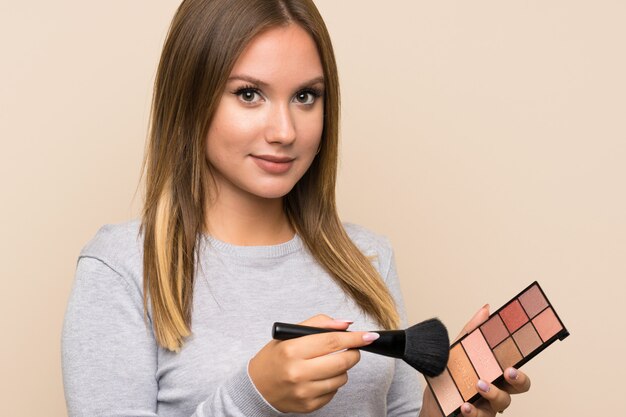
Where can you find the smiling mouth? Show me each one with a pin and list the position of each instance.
(273, 164)
(275, 159)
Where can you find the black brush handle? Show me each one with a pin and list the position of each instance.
(390, 343)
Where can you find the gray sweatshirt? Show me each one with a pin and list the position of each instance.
(112, 365)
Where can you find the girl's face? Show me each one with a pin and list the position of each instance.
(268, 125)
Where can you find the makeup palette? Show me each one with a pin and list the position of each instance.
(511, 336)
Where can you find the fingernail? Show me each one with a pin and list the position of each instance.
(467, 408)
(370, 337)
(483, 386)
(344, 321)
(486, 306)
(513, 373)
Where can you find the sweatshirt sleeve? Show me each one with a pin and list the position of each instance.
(109, 354)
(404, 398)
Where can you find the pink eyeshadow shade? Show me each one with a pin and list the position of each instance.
(547, 324)
(527, 339)
(513, 316)
(446, 393)
(494, 331)
(533, 301)
(481, 356)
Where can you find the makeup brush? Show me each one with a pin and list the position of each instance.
(425, 346)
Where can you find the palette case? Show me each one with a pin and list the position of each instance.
(511, 336)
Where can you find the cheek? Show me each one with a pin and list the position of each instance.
(230, 133)
(311, 131)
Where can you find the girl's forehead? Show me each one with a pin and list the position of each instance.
(284, 53)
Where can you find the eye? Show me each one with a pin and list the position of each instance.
(307, 96)
(248, 94)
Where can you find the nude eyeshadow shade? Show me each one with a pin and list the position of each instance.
(511, 336)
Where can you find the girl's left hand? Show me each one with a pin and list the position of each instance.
(495, 398)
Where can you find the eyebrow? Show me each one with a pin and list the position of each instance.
(256, 81)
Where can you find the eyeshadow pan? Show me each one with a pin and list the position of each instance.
(513, 316)
(547, 324)
(507, 353)
(527, 339)
(462, 371)
(446, 393)
(533, 301)
(479, 353)
(494, 330)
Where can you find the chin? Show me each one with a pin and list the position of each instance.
(271, 191)
(271, 194)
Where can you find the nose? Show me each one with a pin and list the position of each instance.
(280, 126)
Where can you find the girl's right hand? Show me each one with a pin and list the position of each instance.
(300, 375)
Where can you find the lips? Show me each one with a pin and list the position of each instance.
(273, 164)
(274, 158)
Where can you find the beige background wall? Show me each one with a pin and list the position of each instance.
(485, 138)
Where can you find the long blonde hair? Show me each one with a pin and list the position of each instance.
(205, 39)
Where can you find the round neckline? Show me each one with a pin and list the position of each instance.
(260, 251)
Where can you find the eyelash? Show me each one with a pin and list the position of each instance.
(246, 89)
(315, 92)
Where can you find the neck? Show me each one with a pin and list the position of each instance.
(248, 221)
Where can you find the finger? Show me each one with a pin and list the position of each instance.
(318, 402)
(469, 410)
(329, 366)
(315, 394)
(499, 400)
(480, 408)
(517, 381)
(316, 345)
(479, 317)
(328, 386)
(326, 322)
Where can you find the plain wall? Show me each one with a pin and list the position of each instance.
(486, 139)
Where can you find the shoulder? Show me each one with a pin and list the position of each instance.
(119, 247)
(372, 245)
